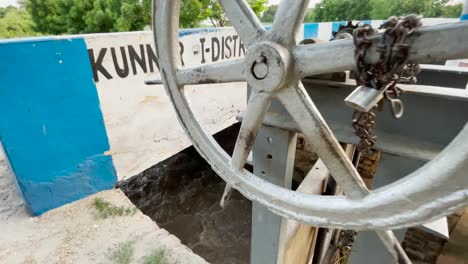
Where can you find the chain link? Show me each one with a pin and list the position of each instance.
(391, 68)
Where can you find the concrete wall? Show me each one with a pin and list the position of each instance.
(76, 117)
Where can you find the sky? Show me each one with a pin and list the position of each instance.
(4, 3)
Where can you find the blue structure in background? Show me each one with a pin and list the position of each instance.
(52, 128)
(49, 111)
(311, 30)
(464, 16)
(190, 31)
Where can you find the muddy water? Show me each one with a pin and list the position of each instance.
(182, 195)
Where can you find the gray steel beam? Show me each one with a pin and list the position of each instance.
(273, 158)
(428, 125)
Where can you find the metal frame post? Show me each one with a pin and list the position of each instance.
(273, 160)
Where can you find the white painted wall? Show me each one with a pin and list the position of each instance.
(140, 121)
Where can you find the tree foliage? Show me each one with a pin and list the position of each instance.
(15, 22)
(338, 10)
(211, 10)
(428, 8)
(269, 14)
(309, 16)
(452, 10)
(190, 13)
(90, 16)
(87, 16)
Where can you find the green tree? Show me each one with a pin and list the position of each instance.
(45, 16)
(88, 16)
(190, 13)
(15, 22)
(309, 16)
(258, 6)
(382, 9)
(212, 11)
(269, 14)
(452, 10)
(338, 10)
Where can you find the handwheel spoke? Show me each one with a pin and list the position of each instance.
(338, 55)
(244, 20)
(393, 246)
(288, 19)
(221, 72)
(313, 126)
(256, 109)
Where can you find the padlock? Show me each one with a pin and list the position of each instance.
(363, 98)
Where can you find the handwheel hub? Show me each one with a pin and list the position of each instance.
(267, 66)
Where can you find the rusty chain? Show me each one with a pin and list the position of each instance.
(391, 68)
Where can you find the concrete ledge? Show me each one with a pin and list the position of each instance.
(74, 234)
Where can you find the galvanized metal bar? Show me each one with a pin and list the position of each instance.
(426, 202)
(288, 18)
(273, 158)
(414, 136)
(428, 45)
(221, 72)
(256, 109)
(441, 75)
(244, 20)
(324, 143)
(457, 94)
(367, 248)
(387, 142)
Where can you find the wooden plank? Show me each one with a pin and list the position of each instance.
(456, 249)
(327, 235)
(301, 238)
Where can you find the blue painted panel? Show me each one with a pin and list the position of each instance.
(464, 17)
(311, 30)
(51, 127)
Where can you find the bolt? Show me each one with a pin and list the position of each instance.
(260, 68)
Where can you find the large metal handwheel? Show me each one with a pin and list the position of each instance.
(273, 67)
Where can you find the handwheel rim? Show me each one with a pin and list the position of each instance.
(406, 202)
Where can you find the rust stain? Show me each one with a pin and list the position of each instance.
(249, 137)
(149, 99)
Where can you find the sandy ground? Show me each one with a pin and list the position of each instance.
(11, 204)
(75, 234)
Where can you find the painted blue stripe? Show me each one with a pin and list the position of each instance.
(311, 30)
(191, 31)
(464, 17)
(51, 127)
